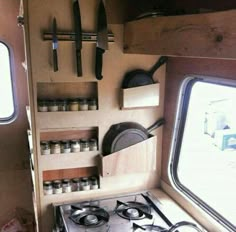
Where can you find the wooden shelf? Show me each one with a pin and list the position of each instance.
(70, 160)
(198, 35)
(140, 97)
(140, 157)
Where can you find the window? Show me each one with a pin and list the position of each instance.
(203, 156)
(7, 109)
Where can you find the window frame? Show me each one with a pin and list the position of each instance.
(12, 117)
(177, 138)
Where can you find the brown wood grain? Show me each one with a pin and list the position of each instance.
(69, 173)
(67, 90)
(69, 134)
(197, 35)
(177, 70)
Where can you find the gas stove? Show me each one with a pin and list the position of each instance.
(130, 213)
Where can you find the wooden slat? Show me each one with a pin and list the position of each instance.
(69, 134)
(66, 90)
(142, 156)
(199, 35)
(71, 160)
(69, 173)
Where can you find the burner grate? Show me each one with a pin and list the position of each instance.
(89, 216)
(138, 228)
(133, 210)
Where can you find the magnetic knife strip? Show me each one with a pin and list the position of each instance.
(70, 36)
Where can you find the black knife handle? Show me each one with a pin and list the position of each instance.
(98, 65)
(55, 63)
(78, 63)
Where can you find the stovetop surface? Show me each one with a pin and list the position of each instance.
(115, 222)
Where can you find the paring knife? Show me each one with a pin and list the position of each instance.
(102, 39)
(54, 44)
(78, 36)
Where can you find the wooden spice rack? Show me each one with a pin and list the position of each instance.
(142, 156)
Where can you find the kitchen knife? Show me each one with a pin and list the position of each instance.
(102, 40)
(54, 44)
(78, 36)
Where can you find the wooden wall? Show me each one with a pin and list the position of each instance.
(177, 69)
(14, 165)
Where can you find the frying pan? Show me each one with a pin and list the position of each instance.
(141, 77)
(125, 134)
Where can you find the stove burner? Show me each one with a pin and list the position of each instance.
(89, 216)
(139, 228)
(133, 210)
(90, 220)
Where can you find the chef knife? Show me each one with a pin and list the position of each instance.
(102, 39)
(54, 44)
(78, 36)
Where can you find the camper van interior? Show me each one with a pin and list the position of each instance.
(117, 115)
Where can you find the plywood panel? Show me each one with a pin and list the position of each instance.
(69, 173)
(142, 156)
(197, 35)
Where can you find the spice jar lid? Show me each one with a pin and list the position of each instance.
(75, 180)
(47, 183)
(44, 142)
(83, 101)
(73, 100)
(92, 101)
(94, 180)
(93, 141)
(84, 180)
(75, 141)
(55, 142)
(66, 181)
(57, 184)
(65, 142)
(84, 141)
(52, 102)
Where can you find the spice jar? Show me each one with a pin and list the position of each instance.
(73, 105)
(92, 104)
(93, 145)
(47, 188)
(75, 184)
(42, 105)
(84, 145)
(75, 145)
(55, 147)
(85, 184)
(66, 186)
(62, 105)
(52, 106)
(93, 182)
(45, 148)
(65, 146)
(83, 104)
(57, 187)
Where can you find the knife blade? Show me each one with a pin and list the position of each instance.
(54, 44)
(102, 39)
(78, 37)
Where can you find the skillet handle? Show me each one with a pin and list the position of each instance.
(157, 124)
(162, 60)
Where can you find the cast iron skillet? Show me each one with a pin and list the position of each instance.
(125, 134)
(141, 77)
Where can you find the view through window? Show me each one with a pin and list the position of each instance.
(6, 90)
(207, 158)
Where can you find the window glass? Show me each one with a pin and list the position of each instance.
(205, 151)
(6, 90)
